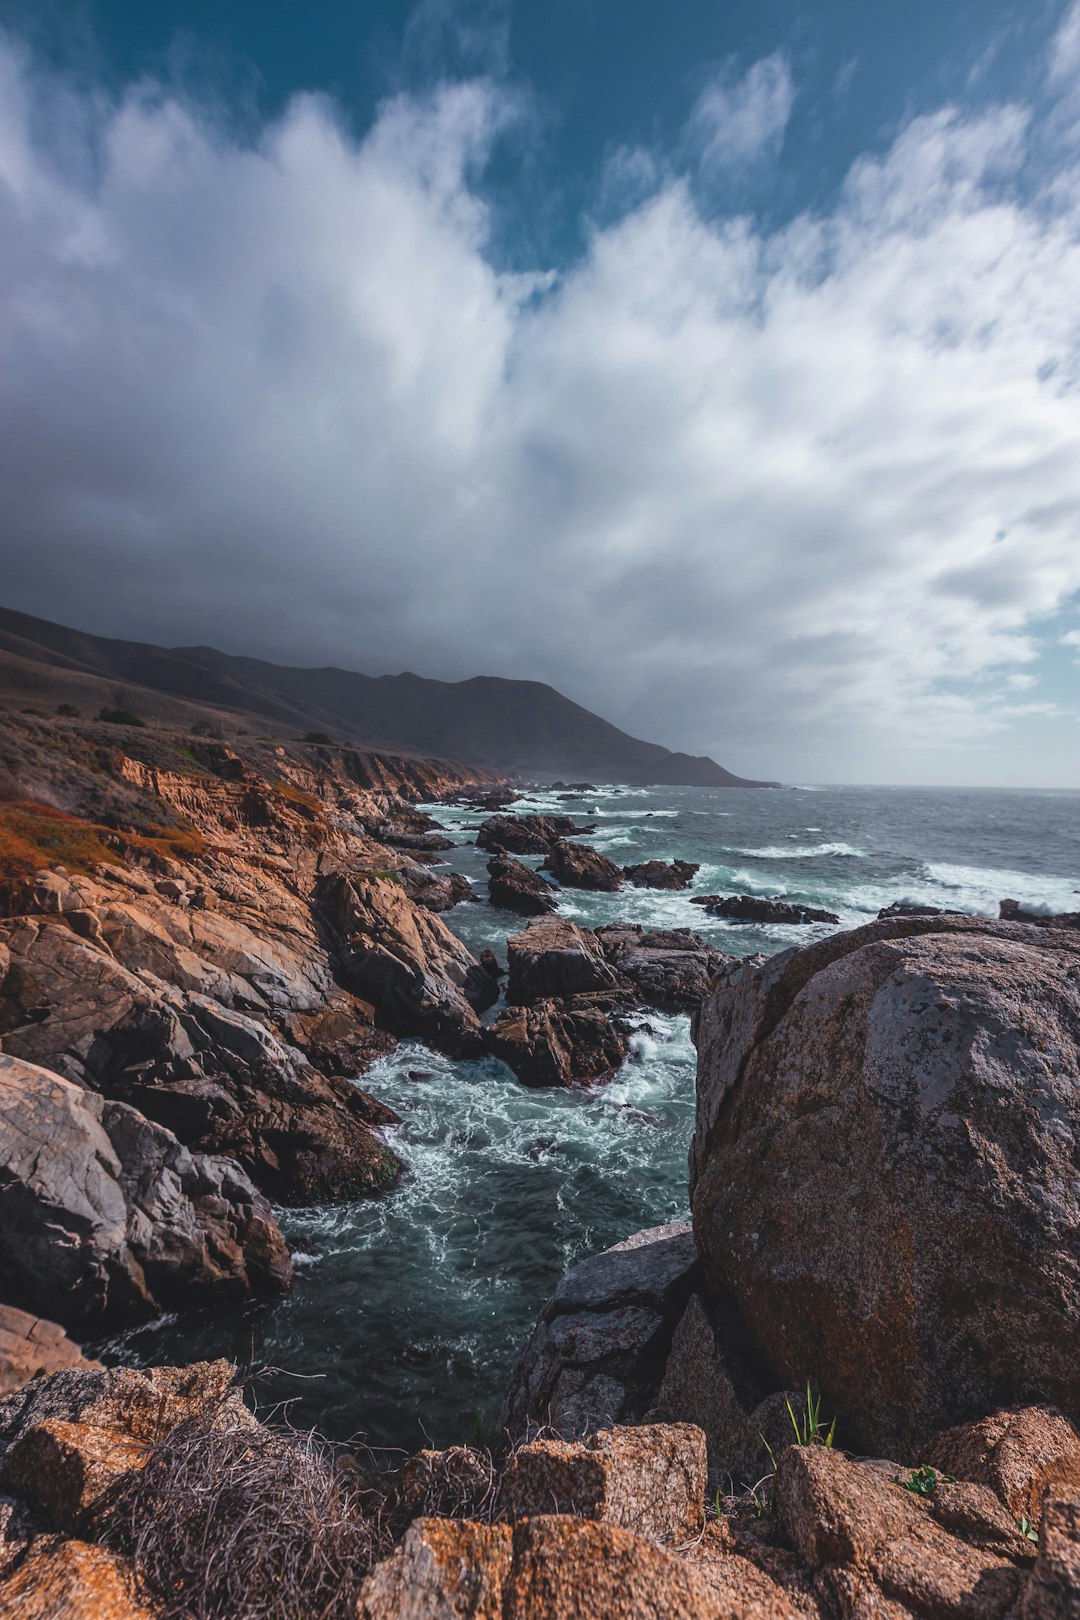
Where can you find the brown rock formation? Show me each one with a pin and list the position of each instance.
(580, 867)
(571, 1042)
(661, 874)
(514, 887)
(525, 835)
(29, 1345)
(884, 1170)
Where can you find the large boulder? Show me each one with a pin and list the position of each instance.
(553, 957)
(514, 887)
(756, 908)
(560, 1043)
(662, 874)
(885, 1170)
(597, 1354)
(669, 968)
(106, 1216)
(579, 867)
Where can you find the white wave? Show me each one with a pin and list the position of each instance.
(798, 852)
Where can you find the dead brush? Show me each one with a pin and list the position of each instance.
(229, 1521)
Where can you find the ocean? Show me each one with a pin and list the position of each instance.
(408, 1310)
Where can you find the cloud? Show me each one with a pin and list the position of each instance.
(795, 497)
(737, 122)
(1064, 60)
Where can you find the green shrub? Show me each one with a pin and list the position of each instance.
(121, 717)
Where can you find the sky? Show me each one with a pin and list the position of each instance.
(715, 361)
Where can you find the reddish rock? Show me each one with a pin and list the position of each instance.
(667, 968)
(29, 1345)
(71, 1580)
(64, 1469)
(1053, 1592)
(884, 1175)
(1018, 1454)
(559, 1043)
(524, 835)
(553, 957)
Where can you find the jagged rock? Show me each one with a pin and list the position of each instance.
(219, 1079)
(868, 1538)
(661, 874)
(1017, 1454)
(406, 961)
(754, 908)
(553, 957)
(559, 1043)
(438, 891)
(556, 1567)
(572, 787)
(340, 1039)
(909, 908)
(106, 1215)
(1053, 1592)
(669, 968)
(649, 1479)
(71, 1580)
(1015, 911)
(885, 1127)
(525, 835)
(29, 1345)
(65, 1469)
(579, 867)
(597, 1354)
(514, 887)
(754, 1579)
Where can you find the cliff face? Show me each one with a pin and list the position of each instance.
(521, 727)
(215, 941)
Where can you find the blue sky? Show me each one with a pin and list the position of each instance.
(716, 363)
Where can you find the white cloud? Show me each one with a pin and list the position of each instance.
(735, 122)
(1064, 60)
(786, 498)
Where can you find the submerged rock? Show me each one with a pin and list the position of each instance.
(884, 1169)
(1015, 911)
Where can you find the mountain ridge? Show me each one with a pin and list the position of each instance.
(521, 728)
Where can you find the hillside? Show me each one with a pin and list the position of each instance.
(519, 727)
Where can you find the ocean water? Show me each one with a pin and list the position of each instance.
(408, 1310)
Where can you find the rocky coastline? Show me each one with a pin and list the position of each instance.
(847, 1388)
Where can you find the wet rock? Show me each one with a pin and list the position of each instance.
(579, 867)
(406, 961)
(661, 874)
(754, 908)
(1018, 1454)
(438, 891)
(649, 1479)
(29, 1345)
(669, 968)
(559, 1043)
(1015, 911)
(71, 1580)
(106, 1215)
(514, 887)
(885, 1127)
(597, 1354)
(525, 835)
(1053, 1592)
(909, 908)
(553, 957)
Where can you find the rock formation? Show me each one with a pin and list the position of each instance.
(525, 835)
(514, 887)
(755, 908)
(579, 867)
(884, 1171)
(661, 874)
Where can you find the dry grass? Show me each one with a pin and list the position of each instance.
(35, 835)
(234, 1522)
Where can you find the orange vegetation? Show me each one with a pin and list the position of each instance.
(35, 835)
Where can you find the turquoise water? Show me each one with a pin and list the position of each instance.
(408, 1310)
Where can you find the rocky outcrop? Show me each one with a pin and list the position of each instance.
(220, 1079)
(579, 867)
(553, 957)
(571, 1042)
(668, 968)
(514, 887)
(1019, 1454)
(525, 835)
(884, 1170)
(598, 1352)
(755, 908)
(406, 961)
(438, 891)
(106, 1216)
(661, 874)
(72, 1580)
(30, 1345)
(1016, 911)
